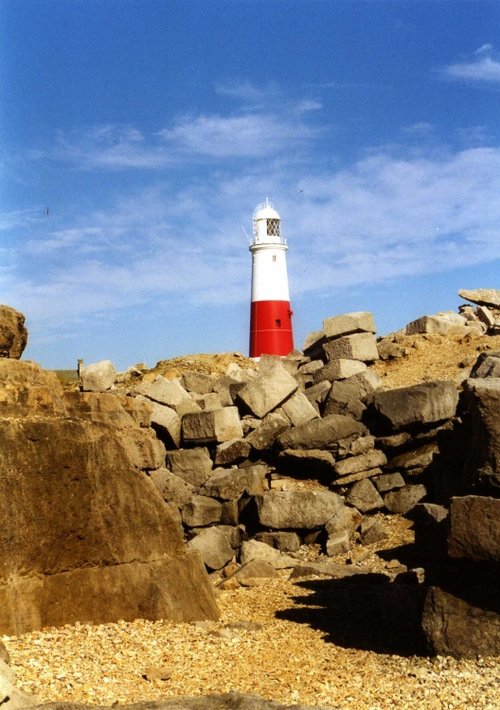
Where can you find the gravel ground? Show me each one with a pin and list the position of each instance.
(249, 650)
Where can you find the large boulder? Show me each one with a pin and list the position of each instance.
(474, 528)
(282, 510)
(269, 389)
(482, 296)
(13, 333)
(86, 535)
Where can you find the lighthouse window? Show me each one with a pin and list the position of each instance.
(278, 322)
(274, 257)
(273, 227)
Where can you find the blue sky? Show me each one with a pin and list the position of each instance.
(137, 137)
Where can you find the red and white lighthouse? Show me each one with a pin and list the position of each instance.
(271, 315)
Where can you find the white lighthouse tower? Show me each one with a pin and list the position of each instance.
(271, 315)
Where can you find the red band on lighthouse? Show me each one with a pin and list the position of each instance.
(270, 316)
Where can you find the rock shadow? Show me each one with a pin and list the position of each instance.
(366, 612)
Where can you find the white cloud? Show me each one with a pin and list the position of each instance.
(482, 69)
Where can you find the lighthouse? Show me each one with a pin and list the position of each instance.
(270, 315)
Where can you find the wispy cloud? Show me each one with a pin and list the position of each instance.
(483, 67)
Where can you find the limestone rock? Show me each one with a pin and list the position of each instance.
(299, 409)
(268, 390)
(349, 323)
(339, 369)
(11, 697)
(338, 543)
(169, 393)
(474, 528)
(165, 421)
(13, 333)
(98, 377)
(255, 550)
(360, 346)
(482, 296)
(26, 389)
(425, 403)
(363, 462)
(307, 463)
(201, 511)
(441, 323)
(281, 540)
(487, 365)
(199, 382)
(230, 484)
(388, 482)
(364, 496)
(300, 509)
(216, 545)
(321, 433)
(264, 435)
(458, 627)
(212, 427)
(404, 499)
(346, 519)
(192, 465)
(232, 451)
(172, 488)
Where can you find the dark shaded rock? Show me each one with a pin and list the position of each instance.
(282, 510)
(321, 433)
(474, 528)
(404, 499)
(192, 465)
(13, 333)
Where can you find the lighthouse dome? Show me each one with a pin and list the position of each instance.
(266, 225)
(265, 211)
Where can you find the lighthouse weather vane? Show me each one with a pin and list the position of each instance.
(271, 315)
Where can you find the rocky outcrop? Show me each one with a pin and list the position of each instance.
(13, 333)
(86, 535)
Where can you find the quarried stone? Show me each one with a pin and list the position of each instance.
(349, 323)
(364, 496)
(268, 390)
(360, 346)
(474, 528)
(404, 499)
(192, 465)
(13, 333)
(216, 545)
(201, 511)
(321, 433)
(211, 427)
(282, 510)
(98, 377)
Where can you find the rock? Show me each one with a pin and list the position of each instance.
(299, 409)
(349, 323)
(255, 550)
(388, 349)
(13, 333)
(344, 398)
(486, 316)
(317, 394)
(98, 377)
(169, 393)
(307, 463)
(419, 458)
(373, 531)
(480, 404)
(268, 390)
(216, 545)
(388, 482)
(198, 382)
(456, 627)
(165, 421)
(404, 499)
(441, 323)
(172, 488)
(292, 510)
(474, 528)
(232, 451)
(339, 369)
(192, 465)
(212, 427)
(230, 484)
(338, 543)
(360, 346)
(362, 462)
(425, 403)
(263, 437)
(482, 296)
(86, 535)
(11, 697)
(4, 654)
(321, 433)
(281, 540)
(207, 402)
(364, 496)
(353, 477)
(201, 511)
(487, 365)
(355, 445)
(346, 519)
(255, 569)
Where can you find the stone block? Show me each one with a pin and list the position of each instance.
(304, 509)
(321, 433)
(364, 496)
(172, 488)
(216, 545)
(440, 323)
(338, 543)
(404, 499)
(98, 377)
(299, 409)
(487, 365)
(281, 540)
(230, 484)
(362, 462)
(349, 323)
(474, 528)
(233, 451)
(389, 482)
(346, 519)
(166, 420)
(255, 550)
(307, 463)
(169, 393)
(212, 427)
(268, 390)
(482, 296)
(264, 435)
(339, 369)
(344, 398)
(201, 511)
(13, 333)
(192, 465)
(198, 382)
(360, 346)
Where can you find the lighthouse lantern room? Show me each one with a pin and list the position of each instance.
(271, 315)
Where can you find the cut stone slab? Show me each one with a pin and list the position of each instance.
(321, 433)
(353, 477)
(212, 427)
(255, 569)
(233, 451)
(294, 510)
(355, 464)
(198, 382)
(424, 403)
(360, 346)
(268, 390)
(281, 540)
(349, 323)
(201, 511)
(420, 457)
(263, 437)
(344, 398)
(192, 465)
(346, 519)
(389, 482)
(482, 296)
(456, 627)
(317, 394)
(255, 550)
(404, 499)
(487, 365)
(441, 323)
(474, 528)
(98, 377)
(339, 369)
(299, 409)
(165, 420)
(338, 543)
(364, 496)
